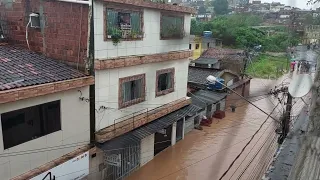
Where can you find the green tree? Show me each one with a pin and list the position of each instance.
(196, 27)
(220, 7)
(202, 10)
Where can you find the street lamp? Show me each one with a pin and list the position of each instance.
(213, 79)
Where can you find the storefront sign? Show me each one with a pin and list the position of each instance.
(74, 169)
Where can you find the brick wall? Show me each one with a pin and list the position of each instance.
(233, 99)
(64, 32)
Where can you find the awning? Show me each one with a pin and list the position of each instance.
(136, 135)
(203, 98)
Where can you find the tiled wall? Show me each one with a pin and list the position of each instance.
(151, 43)
(107, 87)
(73, 111)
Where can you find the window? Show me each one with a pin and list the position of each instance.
(124, 24)
(23, 125)
(197, 46)
(132, 90)
(165, 81)
(190, 46)
(171, 27)
(208, 45)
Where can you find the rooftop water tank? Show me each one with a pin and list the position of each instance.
(215, 86)
(207, 34)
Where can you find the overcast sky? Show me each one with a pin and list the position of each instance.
(296, 3)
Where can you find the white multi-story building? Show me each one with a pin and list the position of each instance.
(141, 73)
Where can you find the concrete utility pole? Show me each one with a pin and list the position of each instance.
(307, 165)
(286, 119)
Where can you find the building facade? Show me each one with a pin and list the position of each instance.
(141, 55)
(40, 101)
(42, 98)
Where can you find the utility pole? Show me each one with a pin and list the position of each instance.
(286, 119)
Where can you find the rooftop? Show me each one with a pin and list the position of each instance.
(22, 68)
(202, 60)
(219, 53)
(199, 75)
(202, 98)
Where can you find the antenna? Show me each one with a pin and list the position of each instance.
(300, 85)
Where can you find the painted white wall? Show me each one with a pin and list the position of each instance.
(151, 43)
(147, 150)
(107, 87)
(174, 134)
(75, 133)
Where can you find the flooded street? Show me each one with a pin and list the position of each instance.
(206, 154)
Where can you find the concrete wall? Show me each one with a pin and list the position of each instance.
(107, 87)
(174, 134)
(147, 149)
(151, 43)
(73, 112)
(64, 28)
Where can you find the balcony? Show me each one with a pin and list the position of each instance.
(123, 25)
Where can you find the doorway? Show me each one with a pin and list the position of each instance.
(179, 131)
(162, 139)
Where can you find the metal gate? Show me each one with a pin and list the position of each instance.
(179, 130)
(122, 162)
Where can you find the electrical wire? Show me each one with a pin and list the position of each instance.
(267, 139)
(254, 147)
(247, 144)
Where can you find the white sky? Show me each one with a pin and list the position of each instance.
(295, 3)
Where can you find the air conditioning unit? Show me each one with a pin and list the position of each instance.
(34, 20)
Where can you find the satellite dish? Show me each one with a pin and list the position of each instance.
(300, 85)
(211, 79)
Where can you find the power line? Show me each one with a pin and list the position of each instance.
(253, 148)
(247, 144)
(267, 139)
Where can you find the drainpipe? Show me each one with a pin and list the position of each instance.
(92, 73)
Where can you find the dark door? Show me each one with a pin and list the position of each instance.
(179, 131)
(162, 139)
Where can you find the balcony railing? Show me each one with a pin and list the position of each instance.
(124, 24)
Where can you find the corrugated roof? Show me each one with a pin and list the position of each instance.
(21, 68)
(205, 61)
(203, 98)
(219, 53)
(136, 135)
(199, 75)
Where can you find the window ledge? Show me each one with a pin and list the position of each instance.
(164, 92)
(131, 103)
(125, 39)
(171, 38)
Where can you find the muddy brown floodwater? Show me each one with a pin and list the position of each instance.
(206, 154)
